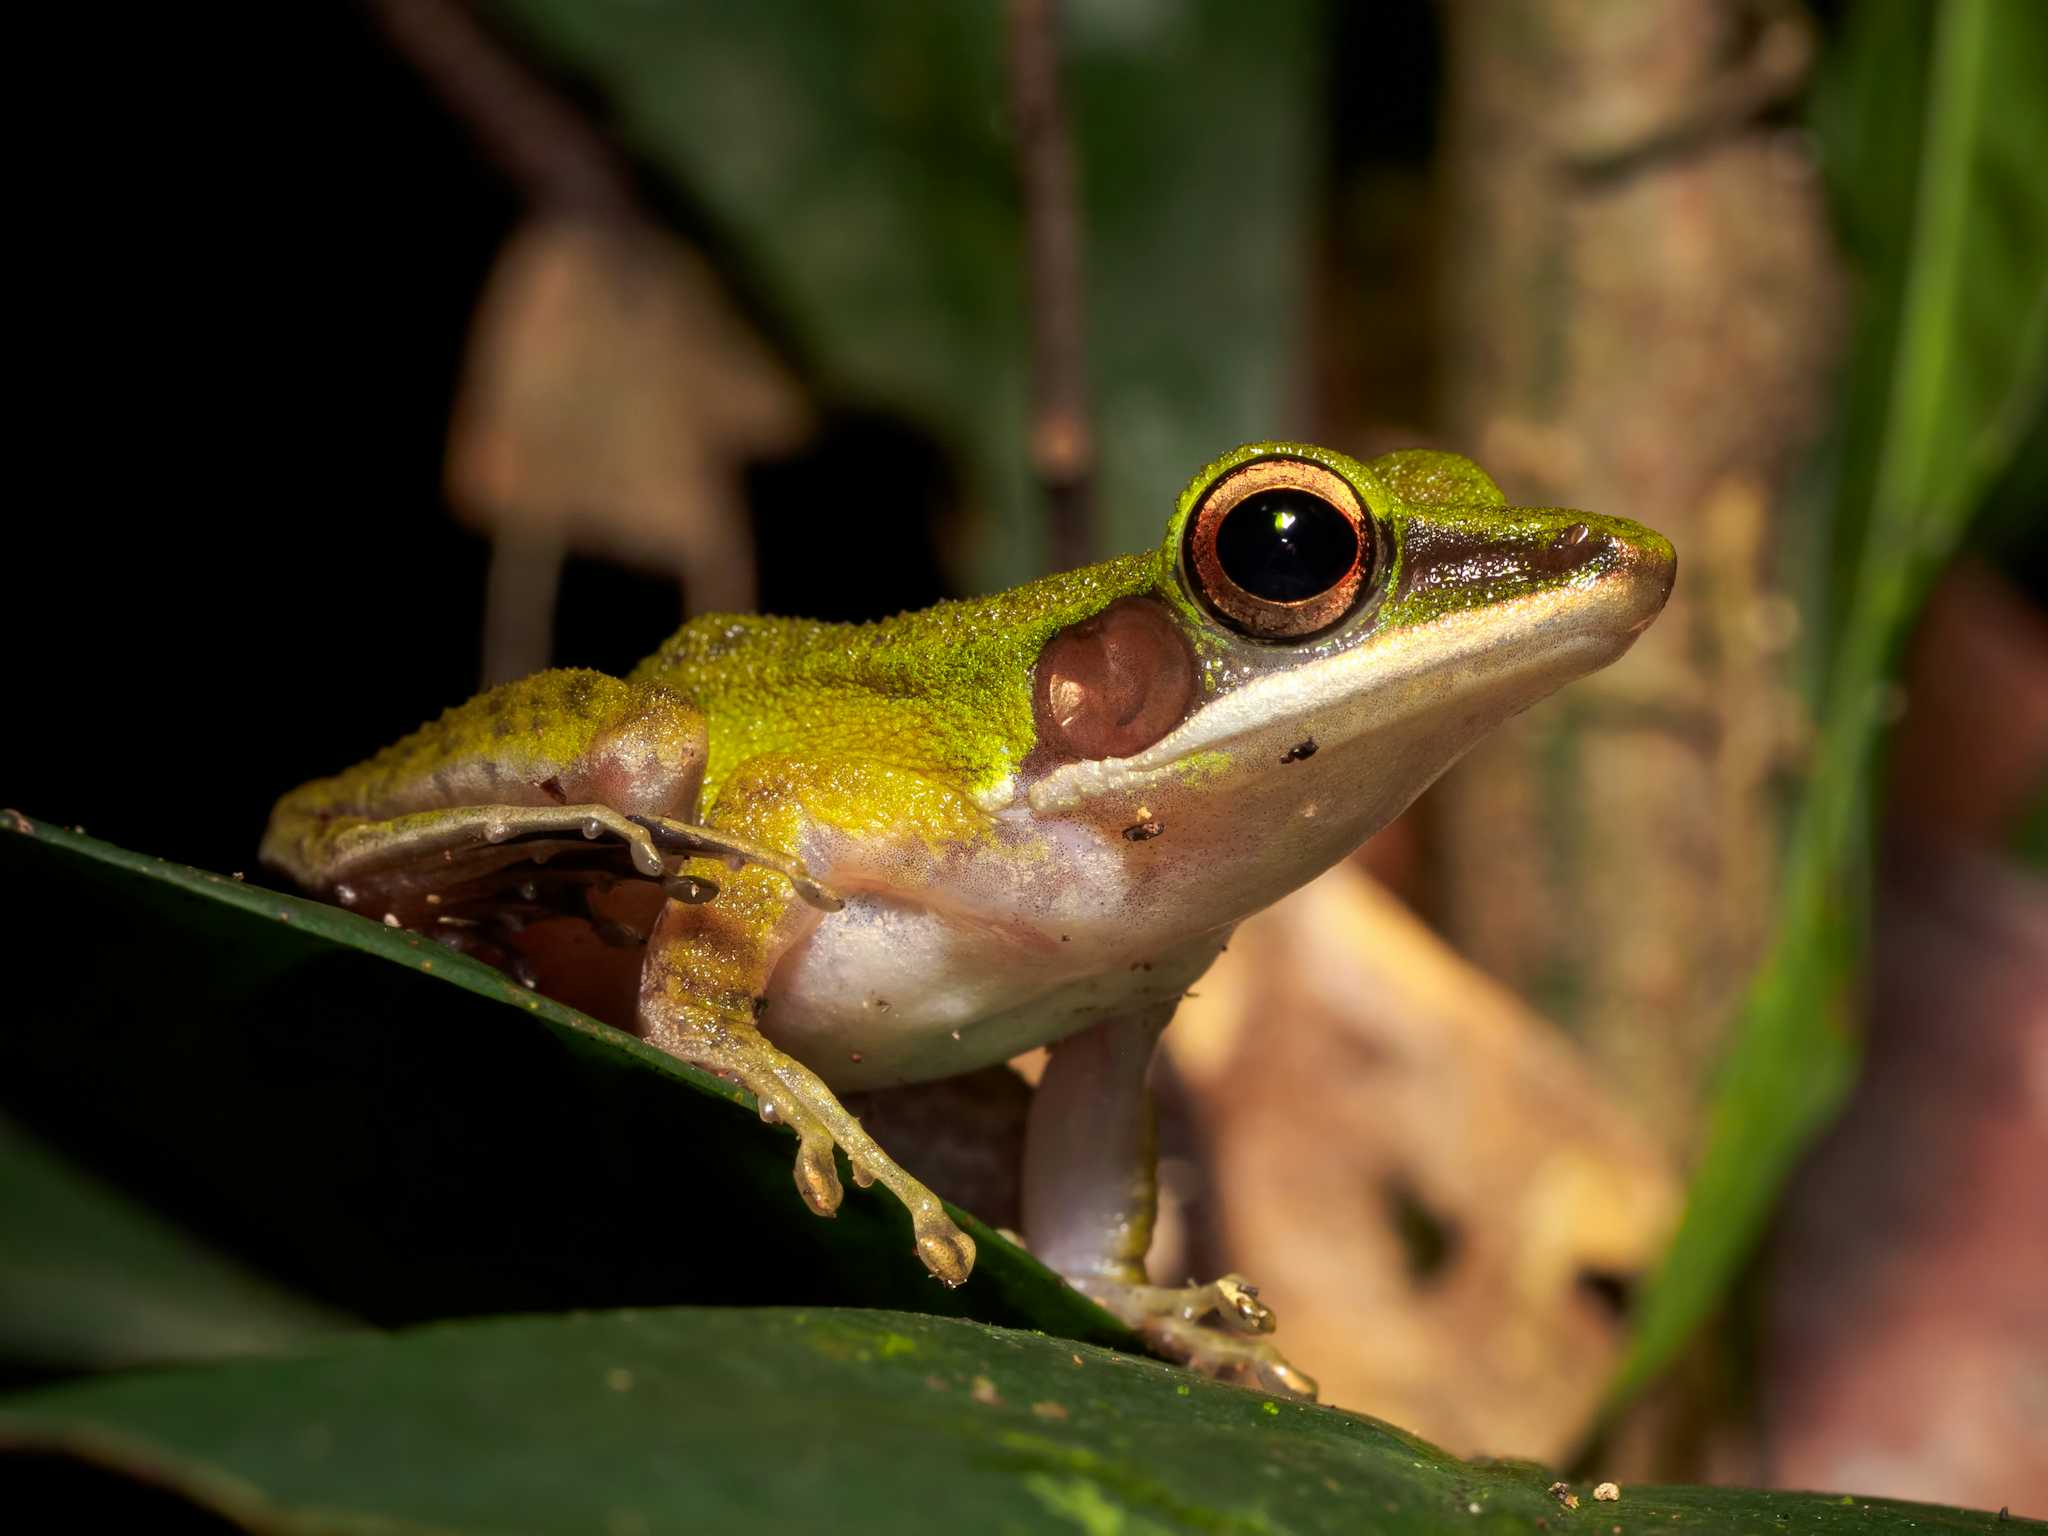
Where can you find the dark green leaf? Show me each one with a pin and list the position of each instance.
(744, 1420)
(89, 1278)
(401, 1133)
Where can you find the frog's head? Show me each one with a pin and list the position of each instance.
(1322, 639)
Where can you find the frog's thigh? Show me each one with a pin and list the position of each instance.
(1091, 1192)
(558, 752)
(706, 967)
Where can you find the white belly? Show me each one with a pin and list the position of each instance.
(885, 992)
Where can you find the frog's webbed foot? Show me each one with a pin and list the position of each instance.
(1216, 1329)
(789, 1093)
(1090, 1192)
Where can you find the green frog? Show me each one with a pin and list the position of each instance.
(820, 858)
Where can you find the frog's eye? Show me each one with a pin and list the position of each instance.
(1279, 548)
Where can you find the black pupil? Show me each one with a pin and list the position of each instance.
(1285, 546)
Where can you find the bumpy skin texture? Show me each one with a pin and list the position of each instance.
(559, 738)
(943, 694)
(875, 859)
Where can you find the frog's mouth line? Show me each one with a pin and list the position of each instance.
(1522, 649)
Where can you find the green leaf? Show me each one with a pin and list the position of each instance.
(400, 1133)
(89, 1278)
(856, 159)
(730, 1420)
(1934, 131)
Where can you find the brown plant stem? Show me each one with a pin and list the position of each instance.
(1062, 444)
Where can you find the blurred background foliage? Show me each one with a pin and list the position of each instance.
(860, 162)
(676, 305)
(1928, 125)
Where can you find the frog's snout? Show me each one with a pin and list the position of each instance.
(1646, 566)
(1614, 574)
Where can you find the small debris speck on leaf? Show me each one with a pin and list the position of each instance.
(1607, 1493)
(984, 1391)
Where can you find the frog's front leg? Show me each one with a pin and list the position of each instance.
(1090, 1193)
(702, 988)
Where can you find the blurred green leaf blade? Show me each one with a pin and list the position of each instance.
(1948, 375)
(90, 1279)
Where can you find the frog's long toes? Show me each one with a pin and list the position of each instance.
(1276, 1375)
(815, 892)
(1210, 1328)
(947, 1251)
(690, 890)
(1231, 1357)
(646, 857)
(1238, 1305)
(817, 1180)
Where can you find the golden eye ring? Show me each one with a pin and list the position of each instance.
(1280, 549)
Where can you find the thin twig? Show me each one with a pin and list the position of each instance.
(538, 139)
(1062, 446)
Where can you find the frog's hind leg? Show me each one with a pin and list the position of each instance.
(358, 854)
(701, 992)
(1090, 1193)
(547, 760)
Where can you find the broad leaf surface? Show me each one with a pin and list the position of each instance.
(778, 1420)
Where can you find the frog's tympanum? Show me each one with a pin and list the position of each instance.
(844, 857)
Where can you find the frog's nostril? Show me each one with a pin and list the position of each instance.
(1571, 549)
